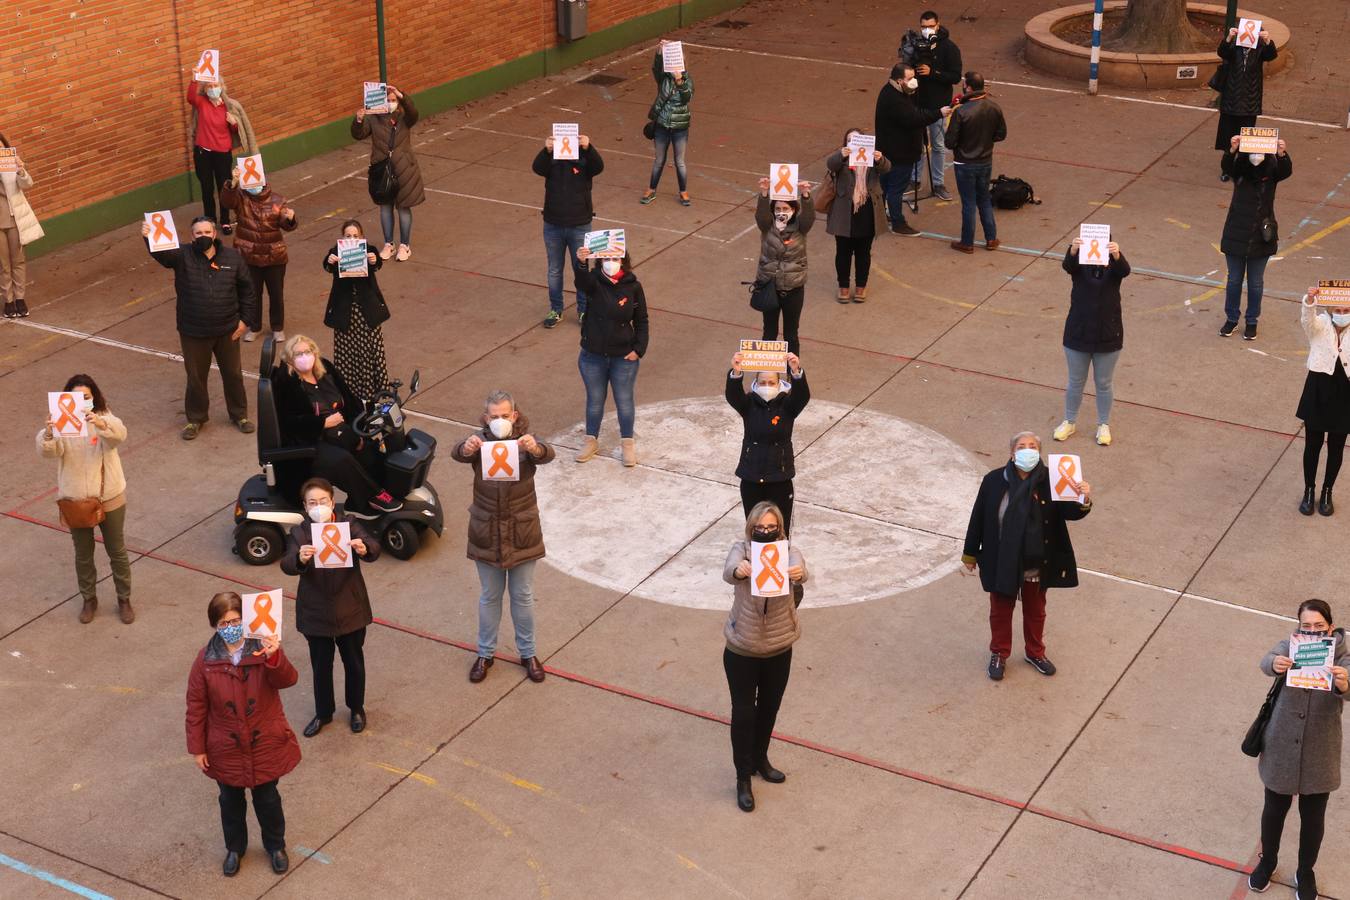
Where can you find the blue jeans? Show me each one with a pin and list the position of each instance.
(973, 184)
(599, 373)
(662, 140)
(404, 224)
(937, 157)
(893, 184)
(494, 581)
(1103, 367)
(1255, 269)
(560, 240)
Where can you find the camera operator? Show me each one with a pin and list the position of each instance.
(937, 64)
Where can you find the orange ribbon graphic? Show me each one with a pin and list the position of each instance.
(768, 558)
(1095, 249)
(70, 420)
(784, 182)
(332, 545)
(208, 64)
(262, 608)
(161, 228)
(860, 157)
(1067, 471)
(500, 455)
(251, 172)
(566, 145)
(1248, 32)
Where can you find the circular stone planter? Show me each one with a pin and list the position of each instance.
(1050, 54)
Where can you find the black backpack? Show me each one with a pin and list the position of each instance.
(1011, 193)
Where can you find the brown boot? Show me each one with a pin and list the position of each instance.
(87, 613)
(629, 448)
(126, 612)
(588, 449)
(479, 669)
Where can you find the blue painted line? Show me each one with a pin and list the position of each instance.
(48, 877)
(314, 855)
(1308, 219)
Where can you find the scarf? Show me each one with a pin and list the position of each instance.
(859, 186)
(1021, 539)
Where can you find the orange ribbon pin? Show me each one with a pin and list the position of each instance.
(332, 545)
(500, 455)
(768, 558)
(70, 420)
(784, 182)
(1067, 471)
(262, 609)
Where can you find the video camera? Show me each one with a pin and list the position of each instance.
(917, 50)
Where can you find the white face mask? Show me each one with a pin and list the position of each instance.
(928, 32)
(1340, 319)
(321, 513)
(780, 220)
(912, 84)
(766, 392)
(611, 267)
(1256, 158)
(500, 428)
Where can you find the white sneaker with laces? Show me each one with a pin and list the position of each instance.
(279, 337)
(1065, 430)
(386, 251)
(1104, 435)
(404, 252)
(250, 336)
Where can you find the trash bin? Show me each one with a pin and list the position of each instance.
(571, 19)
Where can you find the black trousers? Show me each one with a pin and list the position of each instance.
(197, 353)
(757, 686)
(274, 277)
(848, 249)
(1312, 814)
(350, 646)
(779, 492)
(266, 806)
(351, 472)
(213, 170)
(790, 303)
(1312, 451)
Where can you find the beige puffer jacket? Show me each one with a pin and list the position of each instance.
(14, 185)
(760, 626)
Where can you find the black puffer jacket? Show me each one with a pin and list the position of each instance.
(1094, 322)
(214, 295)
(567, 185)
(348, 292)
(766, 447)
(330, 602)
(616, 313)
(1244, 82)
(1253, 202)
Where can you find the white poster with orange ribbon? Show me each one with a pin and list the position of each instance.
(769, 569)
(1066, 469)
(251, 172)
(500, 460)
(163, 233)
(1249, 33)
(1092, 245)
(861, 149)
(566, 140)
(67, 410)
(262, 614)
(207, 69)
(332, 544)
(783, 181)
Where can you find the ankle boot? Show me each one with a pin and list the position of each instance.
(87, 613)
(745, 798)
(1306, 507)
(629, 448)
(125, 611)
(1325, 506)
(588, 449)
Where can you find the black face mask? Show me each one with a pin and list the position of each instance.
(766, 536)
(203, 243)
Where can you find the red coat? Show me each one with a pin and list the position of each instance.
(235, 717)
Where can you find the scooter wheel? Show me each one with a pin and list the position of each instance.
(259, 544)
(401, 539)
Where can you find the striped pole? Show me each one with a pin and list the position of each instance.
(1096, 47)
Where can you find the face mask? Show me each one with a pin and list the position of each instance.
(321, 513)
(766, 392)
(303, 362)
(765, 535)
(611, 267)
(912, 85)
(1256, 158)
(393, 106)
(1026, 458)
(255, 191)
(500, 428)
(928, 32)
(231, 634)
(203, 242)
(1340, 319)
(213, 93)
(780, 220)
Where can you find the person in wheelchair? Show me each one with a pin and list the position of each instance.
(315, 406)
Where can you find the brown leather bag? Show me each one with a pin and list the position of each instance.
(825, 193)
(87, 512)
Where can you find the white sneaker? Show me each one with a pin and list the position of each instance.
(1104, 435)
(386, 251)
(279, 337)
(1065, 430)
(250, 336)
(404, 253)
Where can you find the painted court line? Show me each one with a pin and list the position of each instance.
(55, 880)
(702, 237)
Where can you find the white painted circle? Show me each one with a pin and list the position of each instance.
(881, 504)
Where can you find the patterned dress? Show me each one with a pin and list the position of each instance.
(358, 353)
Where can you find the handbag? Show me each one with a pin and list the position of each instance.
(1219, 78)
(1270, 229)
(764, 296)
(1254, 741)
(382, 179)
(825, 193)
(649, 130)
(86, 512)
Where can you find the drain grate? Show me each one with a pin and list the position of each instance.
(734, 24)
(602, 78)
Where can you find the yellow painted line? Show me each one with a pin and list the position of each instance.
(1177, 223)
(416, 776)
(504, 776)
(134, 301)
(1216, 247)
(1105, 204)
(1308, 242)
(686, 861)
(33, 346)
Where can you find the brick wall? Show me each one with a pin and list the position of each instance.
(93, 89)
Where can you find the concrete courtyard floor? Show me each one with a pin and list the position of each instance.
(911, 774)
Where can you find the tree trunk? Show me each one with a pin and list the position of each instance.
(1155, 26)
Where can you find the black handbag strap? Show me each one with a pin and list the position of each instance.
(1272, 695)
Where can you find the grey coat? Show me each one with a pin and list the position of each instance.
(1302, 752)
(782, 254)
(839, 220)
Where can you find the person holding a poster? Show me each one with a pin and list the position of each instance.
(976, 125)
(783, 226)
(768, 413)
(90, 468)
(613, 342)
(759, 633)
(1244, 76)
(902, 128)
(1325, 404)
(332, 608)
(262, 216)
(936, 62)
(234, 690)
(856, 217)
(669, 121)
(1019, 540)
(316, 407)
(1301, 753)
(390, 137)
(215, 306)
(218, 125)
(18, 226)
(356, 312)
(506, 536)
(567, 217)
(1094, 333)
(1251, 235)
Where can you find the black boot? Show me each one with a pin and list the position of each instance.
(745, 798)
(769, 773)
(1325, 506)
(1306, 507)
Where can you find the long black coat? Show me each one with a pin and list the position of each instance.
(1094, 323)
(348, 292)
(1059, 570)
(901, 126)
(214, 295)
(300, 423)
(330, 602)
(1245, 79)
(1253, 202)
(766, 447)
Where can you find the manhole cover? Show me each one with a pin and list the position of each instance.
(602, 78)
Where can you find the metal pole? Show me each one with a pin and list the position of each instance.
(379, 30)
(1097, 45)
(1231, 19)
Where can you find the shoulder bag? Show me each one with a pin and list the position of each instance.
(86, 512)
(764, 296)
(1254, 741)
(383, 180)
(825, 193)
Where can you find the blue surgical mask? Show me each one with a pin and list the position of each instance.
(231, 634)
(1340, 319)
(213, 93)
(1026, 458)
(255, 191)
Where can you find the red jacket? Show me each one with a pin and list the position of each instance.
(235, 717)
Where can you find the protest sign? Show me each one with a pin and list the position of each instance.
(1092, 247)
(1334, 292)
(1258, 140)
(1065, 469)
(1249, 33)
(251, 172)
(860, 149)
(352, 258)
(607, 244)
(1313, 657)
(9, 160)
(375, 96)
(500, 460)
(332, 544)
(67, 410)
(262, 614)
(566, 140)
(783, 181)
(207, 69)
(768, 569)
(672, 57)
(163, 233)
(764, 356)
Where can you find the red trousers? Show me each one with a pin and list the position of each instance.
(1033, 621)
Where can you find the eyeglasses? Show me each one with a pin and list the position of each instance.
(226, 623)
